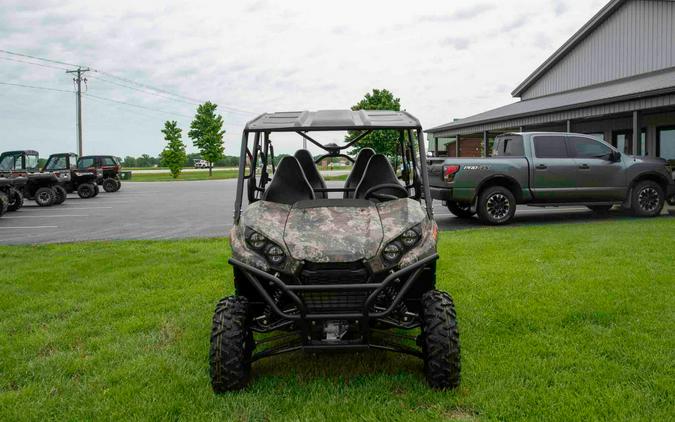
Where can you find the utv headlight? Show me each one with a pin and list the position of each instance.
(275, 255)
(392, 252)
(256, 240)
(409, 238)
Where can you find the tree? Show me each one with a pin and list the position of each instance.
(206, 132)
(382, 141)
(173, 155)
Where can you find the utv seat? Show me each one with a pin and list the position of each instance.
(357, 171)
(289, 184)
(378, 172)
(311, 172)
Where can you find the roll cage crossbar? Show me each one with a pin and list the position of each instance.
(413, 173)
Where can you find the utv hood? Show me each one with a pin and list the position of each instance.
(333, 230)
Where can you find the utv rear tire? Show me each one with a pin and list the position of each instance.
(110, 185)
(86, 190)
(45, 197)
(460, 210)
(647, 199)
(600, 209)
(60, 195)
(119, 185)
(496, 205)
(231, 345)
(15, 200)
(440, 340)
(4, 203)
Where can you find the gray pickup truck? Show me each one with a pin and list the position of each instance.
(549, 169)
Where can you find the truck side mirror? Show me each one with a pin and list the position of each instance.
(614, 156)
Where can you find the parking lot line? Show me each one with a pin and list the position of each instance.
(30, 227)
(65, 207)
(45, 216)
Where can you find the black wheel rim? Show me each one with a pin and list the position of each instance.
(648, 199)
(44, 197)
(498, 206)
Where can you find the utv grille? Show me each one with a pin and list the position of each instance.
(334, 301)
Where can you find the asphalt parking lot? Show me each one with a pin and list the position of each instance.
(172, 210)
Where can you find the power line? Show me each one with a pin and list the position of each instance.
(34, 64)
(38, 58)
(135, 105)
(192, 101)
(36, 87)
(143, 90)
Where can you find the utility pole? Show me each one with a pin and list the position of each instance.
(78, 82)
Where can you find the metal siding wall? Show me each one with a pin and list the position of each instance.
(580, 113)
(638, 38)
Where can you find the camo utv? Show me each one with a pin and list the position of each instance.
(344, 267)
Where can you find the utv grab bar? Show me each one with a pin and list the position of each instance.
(289, 289)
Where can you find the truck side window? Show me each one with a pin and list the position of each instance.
(587, 148)
(550, 147)
(508, 147)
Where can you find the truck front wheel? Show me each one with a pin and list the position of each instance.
(460, 210)
(647, 199)
(496, 205)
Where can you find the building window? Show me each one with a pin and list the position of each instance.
(597, 135)
(665, 142)
(623, 141)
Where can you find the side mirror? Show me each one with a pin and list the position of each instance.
(614, 156)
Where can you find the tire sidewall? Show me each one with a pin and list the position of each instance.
(641, 187)
(85, 190)
(46, 192)
(109, 185)
(482, 207)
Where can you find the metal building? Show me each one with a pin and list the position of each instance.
(614, 78)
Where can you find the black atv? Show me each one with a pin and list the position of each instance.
(71, 179)
(107, 169)
(22, 168)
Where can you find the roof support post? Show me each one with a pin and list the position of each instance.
(485, 143)
(457, 146)
(436, 146)
(569, 126)
(636, 132)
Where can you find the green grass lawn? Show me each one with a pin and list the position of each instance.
(192, 175)
(558, 322)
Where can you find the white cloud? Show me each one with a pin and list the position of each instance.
(443, 59)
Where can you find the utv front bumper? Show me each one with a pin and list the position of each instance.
(358, 307)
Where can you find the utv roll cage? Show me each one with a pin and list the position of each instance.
(359, 123)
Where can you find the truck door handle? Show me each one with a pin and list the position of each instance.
(541, 166)
(584, 166)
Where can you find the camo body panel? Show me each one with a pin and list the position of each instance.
(267, 218)
(333, 234)
(400, 215)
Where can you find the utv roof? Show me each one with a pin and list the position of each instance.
(292, 121)
(22, 151)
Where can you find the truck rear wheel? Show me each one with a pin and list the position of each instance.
(440, 340)
(647, 199)
(496, 205)
(15, 200)
(45, 197)
(60, 195)
(460, 210)
(231, 345)
(86, 190)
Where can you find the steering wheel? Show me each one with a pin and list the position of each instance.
(385, 196)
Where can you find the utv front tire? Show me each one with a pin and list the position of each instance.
(15, 200)
(440, 340)
(110, 185)
(4, 203)
(496, 205)
(231, 345)
(60, 195)
(460, 210)
(45, 197)
(86, 190)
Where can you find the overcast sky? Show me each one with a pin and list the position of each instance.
(444, 59)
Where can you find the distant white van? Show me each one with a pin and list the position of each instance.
(201, 164)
